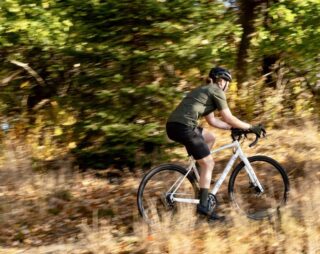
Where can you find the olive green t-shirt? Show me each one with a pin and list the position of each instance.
(199, 102)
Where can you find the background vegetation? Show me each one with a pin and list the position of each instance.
(99, 78)
(90, 84)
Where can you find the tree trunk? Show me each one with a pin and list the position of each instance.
(269, 61)
(247, 16)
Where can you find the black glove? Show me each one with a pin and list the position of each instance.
(237, 131)
(258, 130)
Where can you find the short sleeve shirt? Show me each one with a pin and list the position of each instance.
(199, 102)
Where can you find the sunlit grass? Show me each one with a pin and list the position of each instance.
(63, 211)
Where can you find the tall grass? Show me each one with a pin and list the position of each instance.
(62, 211)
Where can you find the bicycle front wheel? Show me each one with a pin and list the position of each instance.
(248, 198)
(154, 193)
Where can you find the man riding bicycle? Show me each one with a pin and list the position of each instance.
(182, 126)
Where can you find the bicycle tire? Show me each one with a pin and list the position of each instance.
(247, 198)
(154, 202)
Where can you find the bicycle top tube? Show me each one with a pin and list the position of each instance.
(232, 145)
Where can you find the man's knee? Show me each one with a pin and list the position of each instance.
(207, 162)
(209, 137)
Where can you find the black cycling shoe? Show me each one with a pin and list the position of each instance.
(212, 216)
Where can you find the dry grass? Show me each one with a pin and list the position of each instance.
(61, 211)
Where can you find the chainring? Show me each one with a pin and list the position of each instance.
(212, 202)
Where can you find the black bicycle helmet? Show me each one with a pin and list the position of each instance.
(218, 72)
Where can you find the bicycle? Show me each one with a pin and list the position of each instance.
(258, 185)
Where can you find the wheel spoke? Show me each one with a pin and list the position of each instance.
(155, 189)
(249, 199)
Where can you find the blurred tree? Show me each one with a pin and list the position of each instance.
(105, 74)
(116, 66)
(289, 41)
(247, 16)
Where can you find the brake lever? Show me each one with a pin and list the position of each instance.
(264, 134)
(254, 142)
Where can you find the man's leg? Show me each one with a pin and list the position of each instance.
(208, 138)
(206, 166)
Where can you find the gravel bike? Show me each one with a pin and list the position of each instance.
(258, 185)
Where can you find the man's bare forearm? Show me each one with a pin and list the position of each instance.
(220, 124)
(236, 123)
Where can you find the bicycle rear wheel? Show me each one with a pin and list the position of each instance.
(249, 199)
(153, 196)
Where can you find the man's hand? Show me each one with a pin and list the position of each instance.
(258, 130)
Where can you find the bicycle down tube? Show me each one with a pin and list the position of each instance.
(239, 153)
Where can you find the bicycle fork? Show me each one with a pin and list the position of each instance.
(252, 175)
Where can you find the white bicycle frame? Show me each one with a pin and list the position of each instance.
(192, 166)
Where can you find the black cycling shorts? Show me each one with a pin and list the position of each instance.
(190, 137)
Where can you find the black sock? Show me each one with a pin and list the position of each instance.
(203, 196)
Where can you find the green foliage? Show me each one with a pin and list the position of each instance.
(291, 30)
(114, 70)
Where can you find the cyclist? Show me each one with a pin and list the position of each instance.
(182, 126)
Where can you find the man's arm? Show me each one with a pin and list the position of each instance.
(215, 122)
(232, 120)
